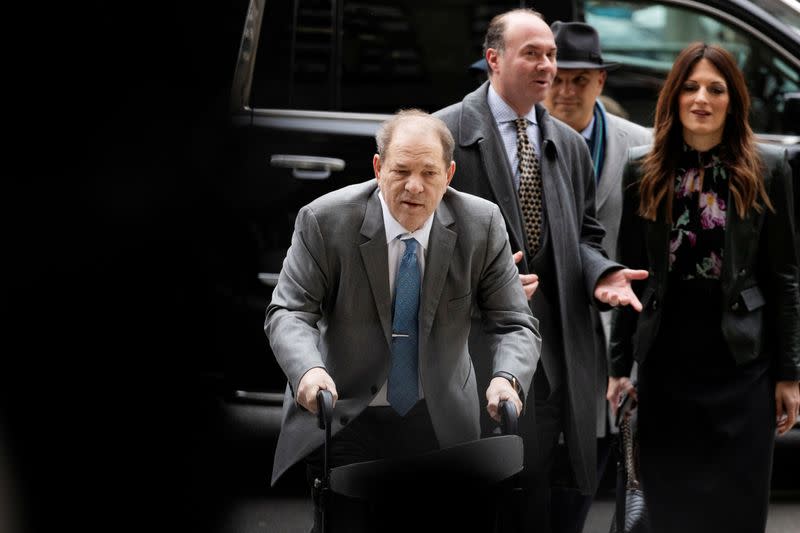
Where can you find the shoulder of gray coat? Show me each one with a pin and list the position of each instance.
(638, 152)
(474, 204)
(357, 193)
(631, 128)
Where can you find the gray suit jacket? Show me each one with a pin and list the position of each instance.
(621, 135)
(331, 308)
(482, 168)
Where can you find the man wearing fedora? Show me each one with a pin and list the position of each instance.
(575, 99)
(539, 172)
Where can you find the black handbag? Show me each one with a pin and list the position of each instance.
(630, 513)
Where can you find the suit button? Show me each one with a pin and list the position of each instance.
(743, 272)
(735, 306)
(344, 420)
(654, 305)
(373, 390)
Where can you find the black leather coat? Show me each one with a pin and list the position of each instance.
(760, 296)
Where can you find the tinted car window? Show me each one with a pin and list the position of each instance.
(386, 55)
(646, 36)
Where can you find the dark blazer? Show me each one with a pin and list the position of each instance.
(761, 304)
(332, 309)
(482, 168)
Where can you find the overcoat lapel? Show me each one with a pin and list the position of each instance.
(374, 253)
(478, 127)
(502, 184)
(553, 190)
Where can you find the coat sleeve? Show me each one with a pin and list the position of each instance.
(507, 319)
(297, 300)
(631, 252)
(779, 236)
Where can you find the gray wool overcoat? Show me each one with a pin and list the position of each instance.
(483, 169)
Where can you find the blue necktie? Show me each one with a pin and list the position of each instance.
(402, 392)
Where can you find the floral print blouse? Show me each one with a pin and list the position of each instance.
(698, 212)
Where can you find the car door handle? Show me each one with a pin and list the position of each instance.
(307, 167)
(270, 279)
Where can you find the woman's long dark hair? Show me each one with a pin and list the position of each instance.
(738, 151)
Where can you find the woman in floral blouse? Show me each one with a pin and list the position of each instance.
(709, 213)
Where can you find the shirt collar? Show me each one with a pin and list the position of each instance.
(394, 229)
(587, 131)
(502, 112)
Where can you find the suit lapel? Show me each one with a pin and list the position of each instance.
(441, 243)
(374, 253)
(613, 161)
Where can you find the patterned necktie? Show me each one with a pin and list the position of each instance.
(402, 392)
(530, 186)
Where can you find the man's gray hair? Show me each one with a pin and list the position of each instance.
(383, 137)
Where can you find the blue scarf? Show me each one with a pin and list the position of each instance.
(597, 142)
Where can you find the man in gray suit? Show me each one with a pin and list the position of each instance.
(330, 322)
(493, 128)
(574, 99)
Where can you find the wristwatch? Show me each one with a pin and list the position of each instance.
(514, 383)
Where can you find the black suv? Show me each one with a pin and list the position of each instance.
(313, 80)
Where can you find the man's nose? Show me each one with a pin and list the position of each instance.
(414, 184)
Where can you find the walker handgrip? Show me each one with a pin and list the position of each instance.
(508, 418)
(324, 408)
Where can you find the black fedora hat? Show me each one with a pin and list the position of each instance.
(578, 46)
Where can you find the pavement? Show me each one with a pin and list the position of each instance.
(294, 515)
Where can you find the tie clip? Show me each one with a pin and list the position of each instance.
(396, 335)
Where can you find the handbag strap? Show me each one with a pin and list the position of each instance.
(632, 481)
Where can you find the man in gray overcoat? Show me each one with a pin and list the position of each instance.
(574, 98)
(556, 236)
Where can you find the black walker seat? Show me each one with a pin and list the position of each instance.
(466, 487)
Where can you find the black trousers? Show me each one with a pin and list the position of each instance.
(568, 506)
(541, 428)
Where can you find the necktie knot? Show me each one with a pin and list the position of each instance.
(411, 247)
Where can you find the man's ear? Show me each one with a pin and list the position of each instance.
(376, 166)
(603, 77)
(492, 56)
(450, 171)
